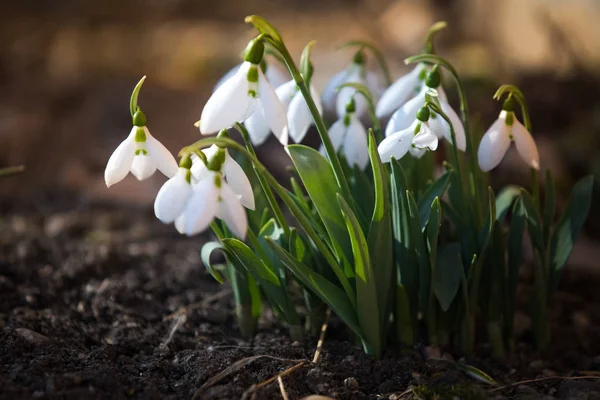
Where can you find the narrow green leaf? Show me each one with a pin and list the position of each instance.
(436, 189)
(534, 223)
(327, 291)
(569, 226)
(380, 237)
(477, 374)
(515, 257)
(320, 183)
(367, 306)
(549, 204)
(402, 317)
(421, 253)
(205, 253)
(505, 199)
(448, 273)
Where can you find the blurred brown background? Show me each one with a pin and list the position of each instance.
(67, 69)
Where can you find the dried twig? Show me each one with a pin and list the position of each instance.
(180, 321)
(322, 337)
(257, 386)
(282, 389)
(547, 378)
(236, 366)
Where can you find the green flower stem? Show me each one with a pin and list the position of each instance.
(378, 56)
(11, 170)
(265, 186)
(366, 93)
(431, 33)
(289, 202)
(319, 122)
(464, 111)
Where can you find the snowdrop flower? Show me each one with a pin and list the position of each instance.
(404, 116)
(139, 153)
(417, 138)
(298, 114)
(246, 93)
(401, 91)
(349, 135)
(496, 140)
(335, 102)
(275, 74)
(193, 203)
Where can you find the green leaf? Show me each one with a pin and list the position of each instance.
(447, 274)
(436, 189)
(549, 204)
(477, 374)
(515, 256)
(320, 183)
(403, 318)
(205, 254)
(367, 306)
(327, 291)
(505, 199)
(421, 253)
(534, 222)
(268, 281)
(379, 239)
(569, 226)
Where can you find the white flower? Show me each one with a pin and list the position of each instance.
(212, 198)
(246, 93)
(405, 115)
(275, 74)
(349, 135)
(335, 102)
(496, 141)
(173, 196)
(141, 154)
(298, 114)
(401, 91)
(417, 138)
(231, 170)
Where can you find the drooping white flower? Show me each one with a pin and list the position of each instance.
(417, 138)
(174, 195)
(350, 136)
(141, 154)
(335, 102)
(246, 93)
(212, 198)
(401, 91)
(496, 141)
(298, 114)
(232, 172)
(274, 73)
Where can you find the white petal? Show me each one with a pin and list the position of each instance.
(199, 170)
(142, 167)
(493, 145)
(273, 110)
(440, 127)
(286, 92)
(226, 77)
(400, 91)
(525, 145)
(299, 118)
(201, 208)
(229, 104)
(232, 212)
(443, 98)
(406, 114)
(336, 134)
(276, 75)
(425, 139)
(257, 127)
(396, 145)
(417, 152)
(375, 83)
(329, 96)
(161, 156)
(120, 161)
(345, 94)
(239, 182)
(180, 224)
(356, 143)
(172, 197)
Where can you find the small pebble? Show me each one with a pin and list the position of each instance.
(32, 337)
(351, 383)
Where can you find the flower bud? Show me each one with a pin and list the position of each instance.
(139, 118)
(433, 78)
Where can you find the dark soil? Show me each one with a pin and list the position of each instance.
(107, 303)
